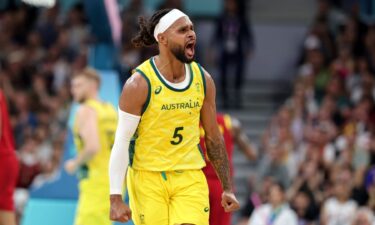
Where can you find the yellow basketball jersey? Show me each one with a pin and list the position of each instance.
(167, 137)
(97, 167)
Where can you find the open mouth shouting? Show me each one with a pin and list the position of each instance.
(190, 49)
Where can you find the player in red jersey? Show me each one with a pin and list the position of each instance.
(8, 166)
(232, 132)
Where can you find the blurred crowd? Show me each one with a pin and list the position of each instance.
(39, 50)
(320, 146)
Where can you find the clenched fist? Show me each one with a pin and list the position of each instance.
(229, 202)
(119, 211)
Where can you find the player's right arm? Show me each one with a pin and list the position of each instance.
(215, 146)
(132, 100)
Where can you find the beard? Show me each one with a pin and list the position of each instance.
(179, 53)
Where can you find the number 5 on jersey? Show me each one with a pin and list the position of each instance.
(177, 137)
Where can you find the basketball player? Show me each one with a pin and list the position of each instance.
(232, 133)
(8, 166)
(93, 130)
(160, 108)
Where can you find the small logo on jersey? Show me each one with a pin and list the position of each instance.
(198, 86)
(142, 218)
(158, 90)
(206, 209)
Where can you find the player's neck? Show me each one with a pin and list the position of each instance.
(171, 68)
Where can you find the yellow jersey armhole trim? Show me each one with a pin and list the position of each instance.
(203, 78)
(149, 89)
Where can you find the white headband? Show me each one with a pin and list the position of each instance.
(166, 21)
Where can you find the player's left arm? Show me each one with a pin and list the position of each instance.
(215, 146)
(242, 140)
(89, 132)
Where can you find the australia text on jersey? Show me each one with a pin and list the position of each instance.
(182, 105)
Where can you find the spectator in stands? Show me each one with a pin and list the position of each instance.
(30, 164)
(234, 39)
(352, 35)
(298, 106)
(355, 84)
(325, 39)
(308, 183)
(340, 209)
(281, 120)
(343, 65)
(306, 210)
(333, 16)
(77, 29)
(255, 199)
(315, 66)
(274, 165)
(34, 51)
(30, 167)
(51, 168)
(25, 118)
(334, 90)
(279, 145)
(48, 26)
(276, 212)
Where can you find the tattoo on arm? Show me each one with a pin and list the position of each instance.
(219, 159)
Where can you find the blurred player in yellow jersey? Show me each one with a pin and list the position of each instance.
(94, 128)
(160, 108)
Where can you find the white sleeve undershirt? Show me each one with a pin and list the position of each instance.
(119, 160)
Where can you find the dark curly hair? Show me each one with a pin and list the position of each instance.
(145, 36)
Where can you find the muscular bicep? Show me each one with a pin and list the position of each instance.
(208, 111)
(134, 94)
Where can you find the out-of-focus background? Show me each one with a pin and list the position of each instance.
(298, 74)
